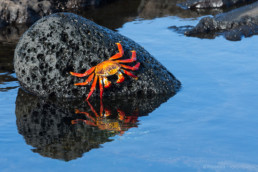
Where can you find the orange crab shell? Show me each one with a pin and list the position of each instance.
(107, 68)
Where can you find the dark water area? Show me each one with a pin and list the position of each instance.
(209, 125)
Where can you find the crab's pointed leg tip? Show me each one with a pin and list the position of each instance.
(71, 73)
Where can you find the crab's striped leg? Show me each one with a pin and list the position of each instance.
(130, 74)
(83, 74)
(93, 87)
(132, 59)
(101, 87)
(88, 80)
(119, 54)
(135, 67)
(121, 77)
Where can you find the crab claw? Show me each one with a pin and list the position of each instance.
(121, 78)
(107, 83)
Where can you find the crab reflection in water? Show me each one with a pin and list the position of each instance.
(118, 122)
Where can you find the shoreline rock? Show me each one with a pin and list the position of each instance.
(64, 42)
(233, 25)
(29, 11)
(206, 4)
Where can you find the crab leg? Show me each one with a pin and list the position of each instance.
(83, 74)
(135, 67)
(130, 74)
(93, 87)
(88, 80)
(118, 55)
(132, 59)
(101, 87)
(121, 77)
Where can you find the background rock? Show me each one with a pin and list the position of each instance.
(28, 11)
(234, 24)
(197, 4)
(65, 42)
(149, 9)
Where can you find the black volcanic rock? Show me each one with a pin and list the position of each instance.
(47, 124)
(197, 4)
(149, 9)
(65, 42)
(28, 11)
(233, 24)
(23, 11)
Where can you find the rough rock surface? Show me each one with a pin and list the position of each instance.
(65, 42)
(149, 9)
(28, 11)
(197, 4)
(233, 25)
(46, 124)
(23, 11)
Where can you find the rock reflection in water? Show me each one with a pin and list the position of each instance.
(54, 129)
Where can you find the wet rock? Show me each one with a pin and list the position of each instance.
(28, 11)
(47, 125)
(233, 25)
(197, 4)
(65, 42)
(11, 34)
(149, 9)
(23, 11)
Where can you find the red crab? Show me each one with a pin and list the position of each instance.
(108, 68)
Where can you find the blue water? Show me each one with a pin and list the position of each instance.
(209, 125)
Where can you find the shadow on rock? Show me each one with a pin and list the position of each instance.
(65, 129)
